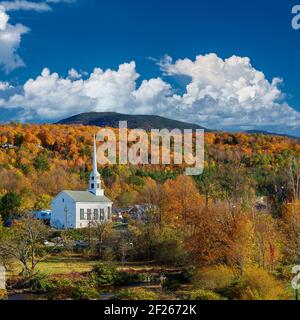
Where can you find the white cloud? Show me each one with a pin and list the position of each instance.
(25, 5)
(10, 39)
(4, 86)
(74, 74)
(51, 97)
(3, 19)
(11, 35)
(229, 93)
(222, 94)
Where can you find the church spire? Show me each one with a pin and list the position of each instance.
(95, 179)
(95, 162)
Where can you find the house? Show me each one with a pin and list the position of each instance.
(78, 209)
(7, 146)
(140, 212)
(136, 212)
(261, 204)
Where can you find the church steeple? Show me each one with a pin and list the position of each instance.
(95, 165)
(95, 178)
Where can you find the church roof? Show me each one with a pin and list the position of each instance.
(86, 196)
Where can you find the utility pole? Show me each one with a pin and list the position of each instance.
(66, 217)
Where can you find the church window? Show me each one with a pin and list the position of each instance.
(102, 214)
(92, 186)
(96, 214)
(81, 214)
(98, 186)
(89, 214)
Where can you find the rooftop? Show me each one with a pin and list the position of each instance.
(86, 196)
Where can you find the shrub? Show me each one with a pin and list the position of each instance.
(256, 284)
(81, 292)
(64, 288)
(169, 249)
(75, 234)
(135, 294)
(3, 294)
(41, 283)
(125, 278)
(201, 294)
(61, 288)
(212, 278)
(105, 274)
(188, 274)
(171, 285)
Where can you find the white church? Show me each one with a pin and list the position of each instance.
(77, 209)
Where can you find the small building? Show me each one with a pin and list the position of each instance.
(7, 146)
(78, 209)
(136, 212)
(43, 215)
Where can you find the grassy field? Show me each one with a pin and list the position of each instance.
(59, 264)
(62, 265)
(75, 263)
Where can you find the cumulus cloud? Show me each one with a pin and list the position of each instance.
(11, 35)
(10, 39)
(221, 93)
(50, 96)
(230, 93)
(74, 74)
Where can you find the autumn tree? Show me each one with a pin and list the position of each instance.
(208, 184)
(41, 163)
(24, 243)
(291, 230)
(292, 172)
(101, 231)
(181, 201)
(237, 185)
(43, 202)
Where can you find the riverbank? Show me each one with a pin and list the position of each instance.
(78, 278)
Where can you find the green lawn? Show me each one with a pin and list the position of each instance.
(60, 264)
(72, 263)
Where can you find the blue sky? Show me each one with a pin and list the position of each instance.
(86, 34)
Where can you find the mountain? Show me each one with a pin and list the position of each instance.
(111, 119)
(267, 133)
(146, 122)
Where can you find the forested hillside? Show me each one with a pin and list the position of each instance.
(40, 160)
(238, 223)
